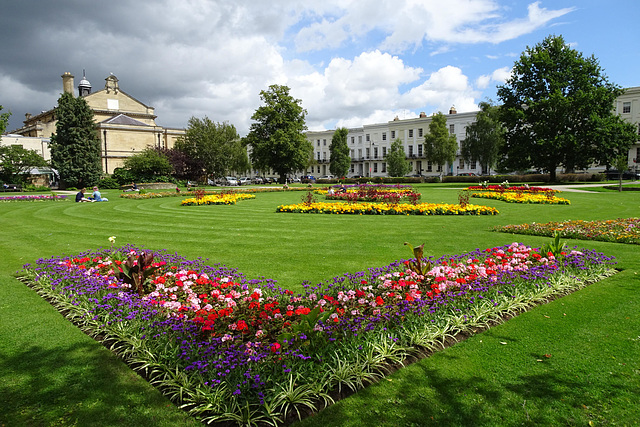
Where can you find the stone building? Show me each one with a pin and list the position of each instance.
(125, 125)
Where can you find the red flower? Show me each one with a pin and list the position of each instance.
(379, 300)
(275, 347)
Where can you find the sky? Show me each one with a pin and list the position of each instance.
(350, 62)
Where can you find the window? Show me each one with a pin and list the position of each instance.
(626, 107)
(384, 136)
(368, 152)
(411, 151)
(420, 133)
(324, 156)
(353, 139)
(384, 167)
(318, 143)
(375, 167)
(360, 139)
(461, 163)
(439, 169)
(419, 167)
(367, 138)
(452, 129)
(419, 150)
(353, 153)
(375, 152)
(384, 151)
(324, 142)
(318, 169)
(429, 166)
(472, 165)
(353, 168)
(318, 155)
(360, 153)
(393, 134)
(410, 133)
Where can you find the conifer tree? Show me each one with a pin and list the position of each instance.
(75, 147)
(339, 153)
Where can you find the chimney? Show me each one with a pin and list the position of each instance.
(67, 82)
(423, 115)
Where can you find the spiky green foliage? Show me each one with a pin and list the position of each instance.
(75, 147)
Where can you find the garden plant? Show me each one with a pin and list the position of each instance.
(568, 361)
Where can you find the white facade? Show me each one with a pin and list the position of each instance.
(36, 143)
(369, 144)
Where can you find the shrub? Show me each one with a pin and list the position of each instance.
(109, 183)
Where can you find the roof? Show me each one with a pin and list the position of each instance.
(123, 119)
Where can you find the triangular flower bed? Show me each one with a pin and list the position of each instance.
(229, 349)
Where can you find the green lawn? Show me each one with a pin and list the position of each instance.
(569, 362)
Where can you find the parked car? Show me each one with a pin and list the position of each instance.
(258, 180)
(294, 179)
(230, 180)
(326, 177)
(244, 181)
(357, 176)
(467, 174)
(614, 174)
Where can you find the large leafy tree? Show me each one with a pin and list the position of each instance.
(16, 162)
(277, 137)
(184, 166)
(557, 108)
(216, 146)
(484, 137)
(440, 146)
(397, 163)
(339, 153)
(148, 165)
(75, 147)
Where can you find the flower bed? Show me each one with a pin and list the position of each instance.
(217, 199)
(621, 230)
(371, 193)
(226, 348)
(157, 195)
(33, 198)
(516, 189)
(512, 197)
(365, 208)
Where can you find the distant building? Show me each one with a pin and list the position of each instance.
(125, 125)
(369, 144)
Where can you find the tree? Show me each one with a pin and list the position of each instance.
(621, 163)
(440, 146)
(75, 147)
(4, 121)
(554, 107)
(147, 166)
(16, 162)
(215, 146)
(339, 153)
(484, 138)
(184, 166)
(277, 138)
(397, 163)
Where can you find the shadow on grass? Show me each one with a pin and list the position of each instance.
(78, 384)
(426, 396)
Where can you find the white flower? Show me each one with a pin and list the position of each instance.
(112, 239)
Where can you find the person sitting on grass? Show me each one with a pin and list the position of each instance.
(80, 196)
(97, 197)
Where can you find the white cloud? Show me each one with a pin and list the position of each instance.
(446, 87)
(499, 76)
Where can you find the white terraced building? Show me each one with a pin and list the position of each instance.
(369, 144)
